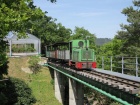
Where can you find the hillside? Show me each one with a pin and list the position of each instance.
(101, 41)
(40, 83)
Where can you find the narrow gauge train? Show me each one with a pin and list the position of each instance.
(75, 53)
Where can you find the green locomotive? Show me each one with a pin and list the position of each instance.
(75, 53)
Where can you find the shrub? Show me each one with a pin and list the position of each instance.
(3, 99)
(17, 92)
(33, 64)
(20, 48)
(115, 103)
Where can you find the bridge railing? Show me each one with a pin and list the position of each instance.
(124, 65)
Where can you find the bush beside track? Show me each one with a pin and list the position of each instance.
(40, 83)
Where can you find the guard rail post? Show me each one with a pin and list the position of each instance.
(102, 62)
(111, 62)
(122, 64)
(136, 66)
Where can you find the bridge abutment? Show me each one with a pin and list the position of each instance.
(76, 93)
(59, 86)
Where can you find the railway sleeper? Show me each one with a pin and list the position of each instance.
(105, 81)
(121, 86)
(127, 81)
(109, 83)
(115, 84)
(126, 89)
(134, 91)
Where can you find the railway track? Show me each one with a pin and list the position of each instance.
(126, 85)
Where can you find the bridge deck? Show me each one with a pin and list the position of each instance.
(111, 86)
(133, 78)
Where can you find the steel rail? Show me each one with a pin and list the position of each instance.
(93, 87)
(120, 83)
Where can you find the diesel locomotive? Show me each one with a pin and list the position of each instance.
(75, 53)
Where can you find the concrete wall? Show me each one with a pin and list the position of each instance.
(59, 86)
(76, 93)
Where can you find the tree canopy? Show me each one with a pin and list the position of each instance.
(15, 15)
(130, 33)
(50, 32)
(81, 33)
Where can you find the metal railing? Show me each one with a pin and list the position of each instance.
(124, 65)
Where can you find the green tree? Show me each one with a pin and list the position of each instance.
(63, 34)
(15, 15)
(107, 50)
(50, 32)
(130, 33)
(112, 48)
(81, 33)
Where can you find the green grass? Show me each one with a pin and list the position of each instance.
(42, 88)
(39, 83)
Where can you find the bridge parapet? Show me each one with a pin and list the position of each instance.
(121, 64)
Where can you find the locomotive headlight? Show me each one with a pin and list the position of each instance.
(80, 44)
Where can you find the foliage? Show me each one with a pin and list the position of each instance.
(23, 48)
(53, 1)
(96, 96)
(110, 49)
(3, 58)
(115, 103)
(106, 51)
(3, 99)
(101, 41)
(130, 32)
(17, 92)
(52, 82)
(18, 16)
(40, 83)
(33, 63)
(15, 15)
(50, 32)
(81, 33)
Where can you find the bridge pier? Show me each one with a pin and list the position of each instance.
(59, 86)
(76, 93)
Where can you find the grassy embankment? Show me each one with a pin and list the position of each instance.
(39, 83)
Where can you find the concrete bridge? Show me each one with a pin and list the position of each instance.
(69, 84)
(73, 94)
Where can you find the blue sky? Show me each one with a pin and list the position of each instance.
(99, 17)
